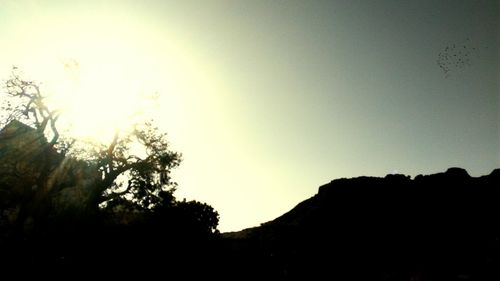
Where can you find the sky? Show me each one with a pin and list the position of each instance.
(268, 100)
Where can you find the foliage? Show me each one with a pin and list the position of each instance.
(128, 175)
(127, 180)
(196, 217)
(135, 166)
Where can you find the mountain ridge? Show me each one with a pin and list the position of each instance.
(442, 226)
(453, 172)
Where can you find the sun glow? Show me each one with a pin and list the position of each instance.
(98, 97)
(104, 77)
(107, 68)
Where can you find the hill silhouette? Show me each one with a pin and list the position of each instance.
(443, 226)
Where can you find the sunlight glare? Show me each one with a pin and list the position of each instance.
(104, 81)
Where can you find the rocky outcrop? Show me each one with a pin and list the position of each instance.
(433, 227)
(35, 178)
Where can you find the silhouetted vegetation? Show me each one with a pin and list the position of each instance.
(66, 204)
(104, 209)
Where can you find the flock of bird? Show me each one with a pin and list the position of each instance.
(456, 56)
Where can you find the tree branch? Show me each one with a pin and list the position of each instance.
(55, 137)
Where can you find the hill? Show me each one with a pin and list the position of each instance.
(443, 226)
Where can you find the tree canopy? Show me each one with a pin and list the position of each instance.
(135, 166)
(50, 179)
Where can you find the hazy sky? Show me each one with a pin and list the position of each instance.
(267, 100)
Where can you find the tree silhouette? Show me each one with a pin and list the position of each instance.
(142, 177)
(55, 190)
(28, 106)
(118, 171)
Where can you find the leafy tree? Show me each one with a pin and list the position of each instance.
(191, 216)
(129, 176)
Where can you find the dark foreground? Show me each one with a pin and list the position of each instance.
(438, 227)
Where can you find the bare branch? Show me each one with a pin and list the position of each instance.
(55, 137)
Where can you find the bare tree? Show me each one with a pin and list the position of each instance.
(26, 104)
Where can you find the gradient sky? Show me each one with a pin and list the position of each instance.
(267, 100)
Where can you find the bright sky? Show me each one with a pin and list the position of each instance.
(267, 100)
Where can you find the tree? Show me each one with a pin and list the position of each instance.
(121, 172)
(197, 218)
(127, 175)
(29, 106)
(65, 201)
(33, 159)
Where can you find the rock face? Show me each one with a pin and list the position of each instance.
(23, 157)
(34, 177)
(437, 227)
